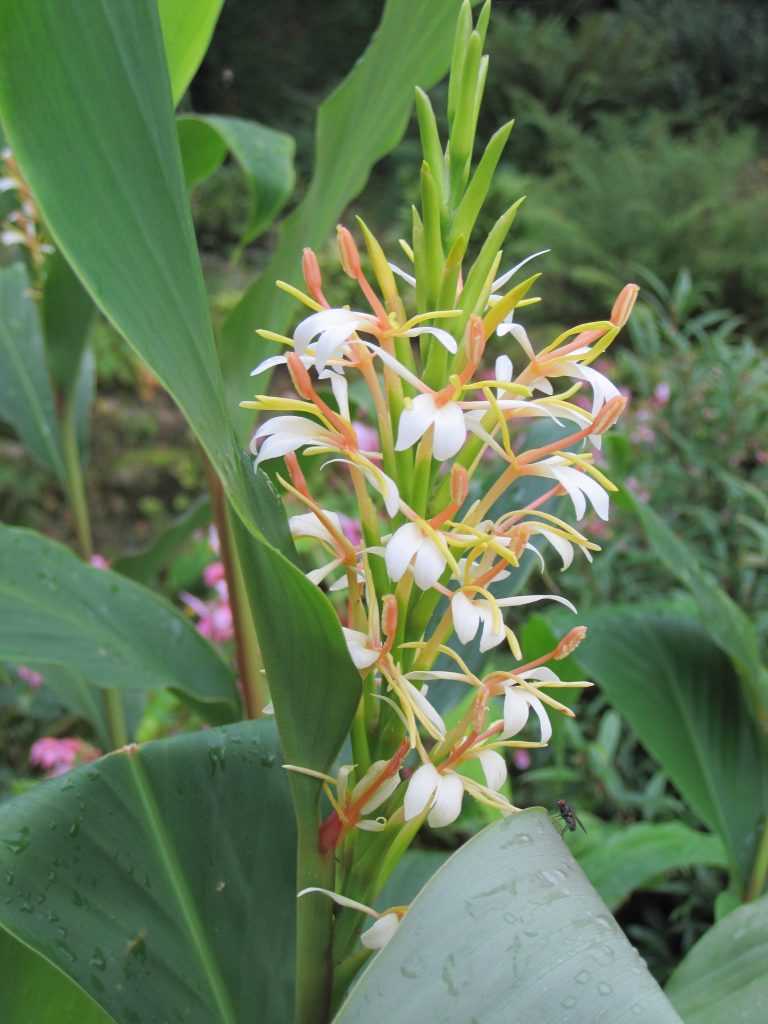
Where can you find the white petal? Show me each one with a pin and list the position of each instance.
(522, 599)
(343, 901)
(494, 768)
(268, 364)
(317, 576)
(408, 278)
(516, 711)
(382, 794)
(563, 547)
(501, 281)
(429, 564)
(493, 628)
(359, 650)
(415, 421)
(279, 445)
(447, 805)
(542, 673)
(521, 336)
(308, 525)
(503, 368)
(372, 824)
(422, 705)
(340, 393)
(569, 478)
(400, 549)
(328, 319)
(446, 340)
(422, 787)
(379, 934)
(450, 431)
(466, 617)
(543, 717)
(298, 426)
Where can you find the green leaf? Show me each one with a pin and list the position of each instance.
(723, 977)
(361, 121)
(34, 992)
(264, 155)
(161, 878)
(146, 566)
(67, 312)
(79, 696)
(727, 624)
(187, 29)
(26, 399)
(631, 858)
(508, 929)
(681, 695)
(55, 609)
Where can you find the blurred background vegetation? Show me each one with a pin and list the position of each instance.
(641, 141)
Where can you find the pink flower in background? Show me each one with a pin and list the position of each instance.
(761, 456)
(521, 760)
(352, 529)
(661, 393)
(367, 437)
(98, 561)
(643, 434)
(30, 677)
(213, 574)
(56, 756)
(634, 485)
(214, 617)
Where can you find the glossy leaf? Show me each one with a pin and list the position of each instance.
(55, 609)
(161, 878)
(26, 399)
(35, 992)
(508, 929)
(727, 624)
(265, 157)
(632, 857)
(681, 695)
(361, 121)
(187, 29)
(723, 978)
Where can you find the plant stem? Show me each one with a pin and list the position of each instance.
(113, 705)
(75, 483)
(247, 653)
(759, 868)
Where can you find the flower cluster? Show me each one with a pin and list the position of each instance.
(55, 755)
(22, 226)
(435, 572)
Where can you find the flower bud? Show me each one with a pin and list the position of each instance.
(312, 276)
(294, 471)
(348, 252)
(477, 339)
(459, 485)
(569, 643)
(609, 414)
(624, 304)
(300, 376)
(389, 615)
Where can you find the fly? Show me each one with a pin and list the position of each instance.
(569, 817)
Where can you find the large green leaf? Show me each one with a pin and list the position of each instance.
(361, 121)
(681, 695)
(187, 29)
(55, 609)
(724, 977)
(727, 624)
(161, 878)
(265, 157)
(631, 858)
(26, 399)
(35, 992)
(509, 929)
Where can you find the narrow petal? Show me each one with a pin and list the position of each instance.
(280, 444)
(466, 617)
(569, 478)
(543, 717)
(493, 628)
(501, 281)
(408, 278)
(400, 549)
(446, 340)
(516, 710)
(327, 319)
(450, 431)
(317, 576)
(503, 368)
(268, 364)
(343, 901)
(299, 426)
(415, 421)
(494, 768)
(379, 934)
(421, 789)
(423, 707)
(382, 794)
(447, 806)
(522, 599)
(308, 525)
(429, 564)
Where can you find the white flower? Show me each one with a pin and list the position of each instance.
(469, 614)
(517, 705)
(409, 545)
(379, 934)
(287, 434)
(361, 648)
(333, 328)
(308, 525)
(444, 791)
(578, 484)
(450, 430)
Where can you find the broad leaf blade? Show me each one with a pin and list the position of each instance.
(34, 992)
(161, 878)
(361, 121)
(26, 399)
(724, 977)
(682, 697)
(187, 29)
(54, 609)
(508, 929)
(265, 157)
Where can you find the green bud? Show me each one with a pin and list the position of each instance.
(433, 241)
(430, 140)
(460, 42)
(475, 195)
(462, 135)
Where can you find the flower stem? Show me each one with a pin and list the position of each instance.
(759, 868)
(75, 483)
(113, 706)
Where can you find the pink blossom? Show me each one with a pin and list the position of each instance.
(761, 456)
(661, 393)
(643, 434)
(98, 561)
(367, 437)
(634, 485)
(32, 678)
(521, 760)
(352, 529)
(214, 618)
(213, 573)
(57, 756)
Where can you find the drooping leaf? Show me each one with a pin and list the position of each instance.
(361, 121)
(727, 624)
(55, 609)
(681, 695)
(35, 992)
(508, 929)
(187, 29)
(161, 878)
(723, 978)
(26, 399)
(631, 857)
(265, 157)
(146, 565)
